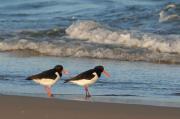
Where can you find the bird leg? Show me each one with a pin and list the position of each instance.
(48, 90)
(87, 91)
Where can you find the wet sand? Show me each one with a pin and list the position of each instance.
(21, 107)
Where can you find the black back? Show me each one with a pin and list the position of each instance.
(49, 74)
(87, 74)
(84, 75)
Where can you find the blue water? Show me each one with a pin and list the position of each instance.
(138, 82)
(133, 30)
(139, 15)
(134, 39)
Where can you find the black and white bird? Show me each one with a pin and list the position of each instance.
(88, 78)
(48, 78)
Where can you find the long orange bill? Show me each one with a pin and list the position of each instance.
(106, 73)
(65, 71)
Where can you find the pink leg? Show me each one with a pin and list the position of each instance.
(87, 91)
(48, 90)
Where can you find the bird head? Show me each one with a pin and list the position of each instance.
(100, 69)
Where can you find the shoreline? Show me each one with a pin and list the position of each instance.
(20, 107)
(147, 101)
(31, 53)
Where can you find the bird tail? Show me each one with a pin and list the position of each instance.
(28, 78)
(66, 81)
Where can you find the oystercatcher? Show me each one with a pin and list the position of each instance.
(48, 78)
(88, 78)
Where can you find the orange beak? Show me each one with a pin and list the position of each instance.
(106, 74)
(65, 71)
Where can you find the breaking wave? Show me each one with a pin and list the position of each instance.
(94, 40)
(96, 33)
(171, 12)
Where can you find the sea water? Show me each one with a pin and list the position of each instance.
(130, 82)
(133, 30)
(138, 42)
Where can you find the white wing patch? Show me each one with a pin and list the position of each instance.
(47, 82)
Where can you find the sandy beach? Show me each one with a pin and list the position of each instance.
(20, 107)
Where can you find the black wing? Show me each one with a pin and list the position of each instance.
(46, 75)
(84, 75)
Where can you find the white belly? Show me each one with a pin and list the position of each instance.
(86, 82)
(47, 82)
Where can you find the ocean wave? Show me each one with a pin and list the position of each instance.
(94, 40)
(55, 32)
(97, 33)
(68, 47)
(170, 13)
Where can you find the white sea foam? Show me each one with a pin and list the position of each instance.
(169, 13)
(96, 33)
(91, 39)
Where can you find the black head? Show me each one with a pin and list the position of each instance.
(99, 70)
(58, 68)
